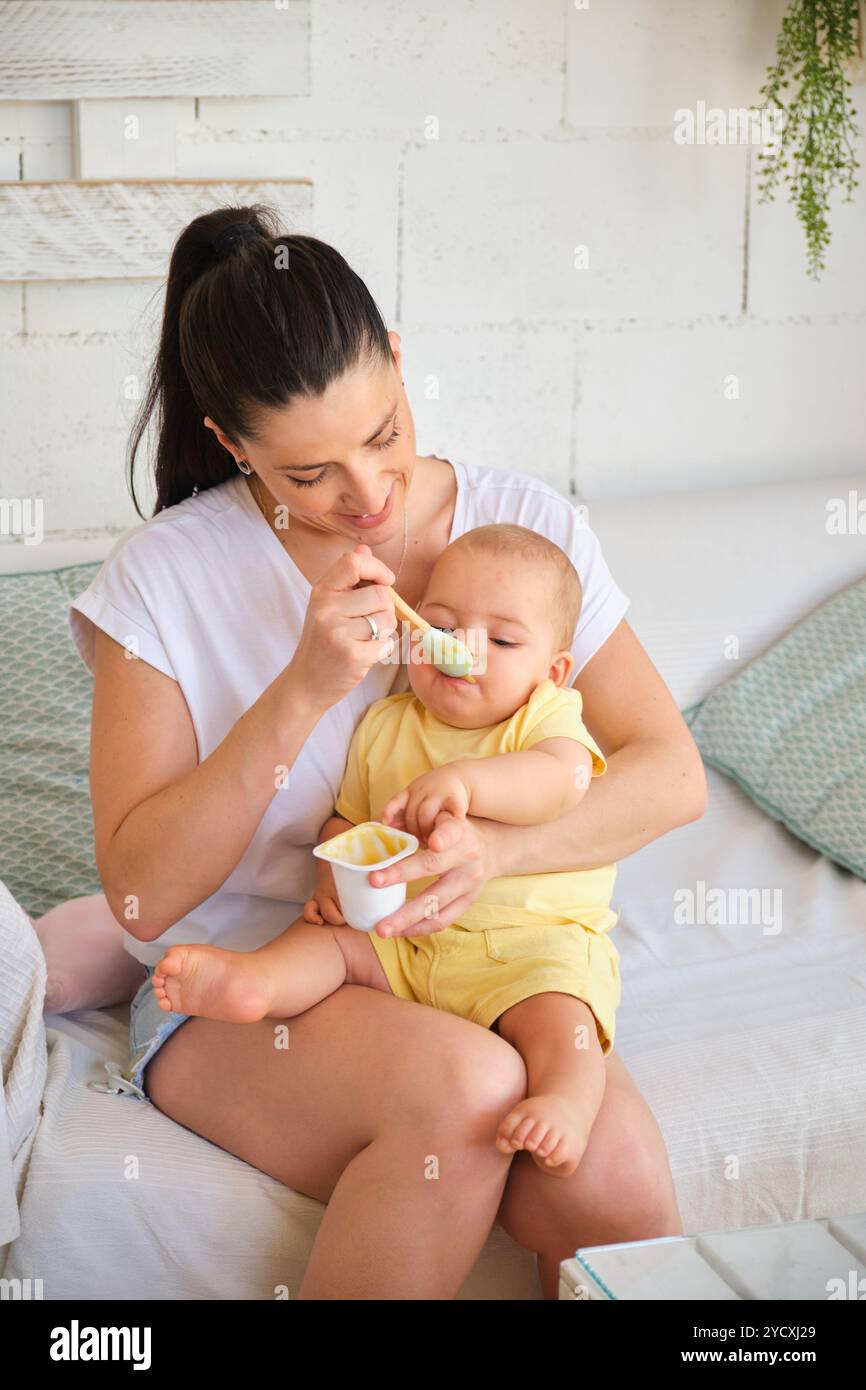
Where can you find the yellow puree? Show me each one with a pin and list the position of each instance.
(368, 843)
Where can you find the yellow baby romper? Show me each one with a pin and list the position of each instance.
(525, 934)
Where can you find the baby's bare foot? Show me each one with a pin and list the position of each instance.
(210, 983)
(552, 1128)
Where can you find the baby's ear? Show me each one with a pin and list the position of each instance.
(561, 668)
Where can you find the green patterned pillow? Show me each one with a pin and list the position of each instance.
(790, 728)
(46, 828)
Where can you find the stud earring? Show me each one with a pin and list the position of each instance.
(244, 466)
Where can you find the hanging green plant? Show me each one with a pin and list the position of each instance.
(816, 127)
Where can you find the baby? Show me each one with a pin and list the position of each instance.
(531, 956)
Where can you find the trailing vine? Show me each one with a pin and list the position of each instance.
(816, 125)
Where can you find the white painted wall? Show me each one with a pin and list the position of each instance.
(554, 130)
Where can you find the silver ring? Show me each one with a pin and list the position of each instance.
(374, 627)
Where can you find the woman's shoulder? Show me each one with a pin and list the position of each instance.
(507, 494)
(157, 571)
(208, 516)
(196, 513)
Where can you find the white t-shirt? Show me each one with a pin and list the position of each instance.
(205, 592)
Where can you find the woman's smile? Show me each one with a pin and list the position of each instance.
(372, 519)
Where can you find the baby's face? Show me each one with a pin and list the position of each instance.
(499, 607)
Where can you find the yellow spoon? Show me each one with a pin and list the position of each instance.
(448, 655)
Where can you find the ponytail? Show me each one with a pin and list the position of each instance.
(251, 319)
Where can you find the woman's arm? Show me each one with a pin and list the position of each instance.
(168, 829)
(655, 778)
(654, 782)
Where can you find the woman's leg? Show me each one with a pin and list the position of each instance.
(87, 964)
(385, 1109)
(622, 1189)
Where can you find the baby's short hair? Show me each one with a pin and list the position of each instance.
(566, 594)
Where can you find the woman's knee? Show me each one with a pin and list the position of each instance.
(637, 1189)
(492, 1073)
(476, 1075)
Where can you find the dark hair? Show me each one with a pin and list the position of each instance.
(258, 319)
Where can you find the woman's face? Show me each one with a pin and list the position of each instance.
(331, 459)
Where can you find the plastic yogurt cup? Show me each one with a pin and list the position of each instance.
(353, 855)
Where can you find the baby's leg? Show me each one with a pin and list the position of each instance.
(281, 979)
(87, 964)
(557, 1037)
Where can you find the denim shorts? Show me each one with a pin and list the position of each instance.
(149, 1027)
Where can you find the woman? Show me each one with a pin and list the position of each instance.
(289, 494)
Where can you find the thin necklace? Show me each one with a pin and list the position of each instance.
(264, 513)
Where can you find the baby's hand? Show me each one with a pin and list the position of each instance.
(324, 907)
(428, 798)
(324, 912)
